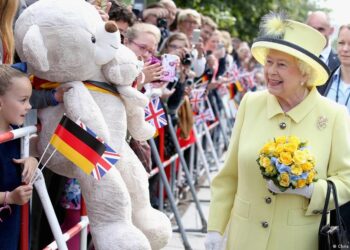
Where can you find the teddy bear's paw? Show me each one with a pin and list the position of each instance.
(141, 131)
(132, 97)
(155, 225)
(120, 236)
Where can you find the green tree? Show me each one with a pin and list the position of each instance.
(241, 17)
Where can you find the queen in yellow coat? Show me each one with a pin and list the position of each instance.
(241, 203)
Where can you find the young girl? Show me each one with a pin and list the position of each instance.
(15, 90)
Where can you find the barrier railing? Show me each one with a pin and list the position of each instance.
(80, 227)
(60, 238)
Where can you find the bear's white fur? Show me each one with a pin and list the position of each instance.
(66, 41)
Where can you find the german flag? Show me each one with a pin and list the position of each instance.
(77, 145)
(239, 86)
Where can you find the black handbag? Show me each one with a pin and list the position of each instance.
(332, 236)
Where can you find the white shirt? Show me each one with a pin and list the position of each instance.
(325, 54)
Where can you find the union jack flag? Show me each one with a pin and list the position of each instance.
(154, 113)
(250, 80)
(235, 72)
(196, 98)
(207, 115)
(108, 159)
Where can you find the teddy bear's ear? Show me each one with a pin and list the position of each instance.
(34, 49)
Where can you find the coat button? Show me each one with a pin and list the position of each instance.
(283, 125)
(268, 199)
(264, 224)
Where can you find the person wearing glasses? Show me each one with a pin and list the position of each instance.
(143, 39)
(255, 213)
(187, 21)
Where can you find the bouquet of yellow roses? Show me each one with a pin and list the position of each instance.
(287, 161)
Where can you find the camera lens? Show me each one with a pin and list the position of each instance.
(186, 60)
(162, 23)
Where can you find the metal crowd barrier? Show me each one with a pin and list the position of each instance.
(203, 131)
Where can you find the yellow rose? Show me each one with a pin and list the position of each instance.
(290, 147)
(296, 170)
(284, 180)
(268, 148)
(307, 166)
(281, 139)
(270, 169)
(265, 161)
(310, 177)
(300, 183)
(299, 157)
(278, 150)
(294, 140)
(286, 158)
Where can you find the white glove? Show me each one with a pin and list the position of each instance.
(305, 191)
(213, 241)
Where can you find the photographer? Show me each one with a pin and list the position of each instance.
(178, 44)
(157, 15)
(188, 21)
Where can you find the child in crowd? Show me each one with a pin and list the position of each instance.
(15, 91)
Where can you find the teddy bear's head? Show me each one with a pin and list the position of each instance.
(65, 44)
(124, 68)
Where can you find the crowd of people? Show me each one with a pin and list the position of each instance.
(295, 75)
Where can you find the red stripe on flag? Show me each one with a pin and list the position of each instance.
(77, 144)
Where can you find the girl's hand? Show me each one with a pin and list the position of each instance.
(200, 48)
(30, 164)
(20, 195)
(153, 72)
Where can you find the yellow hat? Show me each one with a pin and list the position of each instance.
(294, 38)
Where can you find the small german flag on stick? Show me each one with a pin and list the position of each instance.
(77, 145)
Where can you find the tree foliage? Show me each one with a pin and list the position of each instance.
(241, 17)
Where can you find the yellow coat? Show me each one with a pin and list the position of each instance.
(256, 219)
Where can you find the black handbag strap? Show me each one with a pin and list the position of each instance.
(331, 188)
(325, 208)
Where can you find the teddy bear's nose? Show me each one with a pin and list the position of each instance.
(111, 27)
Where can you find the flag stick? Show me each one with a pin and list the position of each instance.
(41, 169)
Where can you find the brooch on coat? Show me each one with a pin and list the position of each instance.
(322, 122)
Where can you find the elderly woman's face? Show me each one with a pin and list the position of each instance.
(283, 76)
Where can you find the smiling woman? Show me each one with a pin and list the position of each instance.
(290, 107)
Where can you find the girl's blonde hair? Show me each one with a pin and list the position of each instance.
(134, 31)
(7, 73)
(174, 36)
(8, 9)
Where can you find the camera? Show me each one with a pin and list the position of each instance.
(187, 59)
(162, 23)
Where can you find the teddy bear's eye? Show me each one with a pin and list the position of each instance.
(93, 39)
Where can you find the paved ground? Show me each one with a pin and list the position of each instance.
(191, 220)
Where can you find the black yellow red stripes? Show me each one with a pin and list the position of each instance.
(77, 145)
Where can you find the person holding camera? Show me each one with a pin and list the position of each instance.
(157, 15)
(178, 44)
(188, 22)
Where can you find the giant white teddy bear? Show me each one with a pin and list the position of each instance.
(66, 41)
